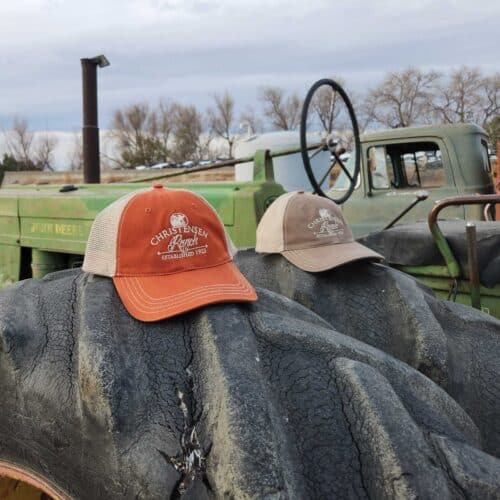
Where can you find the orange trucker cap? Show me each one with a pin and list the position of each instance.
(311, 232)
(167, 251)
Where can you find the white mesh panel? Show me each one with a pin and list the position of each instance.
(100, 254)
(270, 229)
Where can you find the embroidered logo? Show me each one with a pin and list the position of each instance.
(183, 240)
(326, 225)
(178, 220)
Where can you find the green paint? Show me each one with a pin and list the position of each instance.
(490, 297)
(446, 252)
(43, 263)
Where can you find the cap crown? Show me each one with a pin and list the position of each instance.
(156, 232)
(300, 220)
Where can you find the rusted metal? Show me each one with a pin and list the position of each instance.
(90, 130)
(441, 242)
(489, 212)
(420, 196)
(475, 294)
(13, 471)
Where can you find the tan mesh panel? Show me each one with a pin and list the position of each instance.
(270, 228)
(231, 247)
(100, 254)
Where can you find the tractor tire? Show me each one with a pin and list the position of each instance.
(243, 401)
(455, 346)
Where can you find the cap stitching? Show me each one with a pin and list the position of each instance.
(137, 294)
(326, 244)
(181, 307)
(182, 296)
(314, 261)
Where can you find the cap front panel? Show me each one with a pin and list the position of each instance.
(169, 231)
(312, 221)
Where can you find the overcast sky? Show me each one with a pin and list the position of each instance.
(188, 49)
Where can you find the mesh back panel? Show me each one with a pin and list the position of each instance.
(270, 228)
(100, 254)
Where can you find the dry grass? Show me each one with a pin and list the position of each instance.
(25, 178)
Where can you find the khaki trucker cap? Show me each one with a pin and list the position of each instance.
(167, 252)
(311, 232)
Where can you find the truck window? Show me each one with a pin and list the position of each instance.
(380, 168)
(424, 169)
(408, 165)
(485, 155)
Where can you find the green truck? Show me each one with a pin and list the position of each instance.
(446, 160)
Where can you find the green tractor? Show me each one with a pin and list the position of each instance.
(386, 177)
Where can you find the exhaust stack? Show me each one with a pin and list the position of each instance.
(90, 131)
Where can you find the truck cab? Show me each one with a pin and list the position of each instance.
(445, 160)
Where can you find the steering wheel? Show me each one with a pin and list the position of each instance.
(329, 142)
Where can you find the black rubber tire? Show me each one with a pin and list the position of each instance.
(303, 139)
(455, 346)
(231, 401)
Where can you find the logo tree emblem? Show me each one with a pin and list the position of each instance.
(179, 220)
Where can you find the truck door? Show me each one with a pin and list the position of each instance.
(393, 173)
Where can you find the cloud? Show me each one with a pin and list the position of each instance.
(189, 49)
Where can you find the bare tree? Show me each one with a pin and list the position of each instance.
(30, 151)
(328, 105)
(44, 150)
(187, 131)
(493, 130)
(491, 89)
(468, 96)
(129, 129)
(250, 121)
(459, 100)
(141, 134)
(221, 119)
(282, 112)
(76, 153)
(161, 124)
(19, 142)
(402, 99)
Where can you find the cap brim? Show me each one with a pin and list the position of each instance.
(151, 298)
(317, 259)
